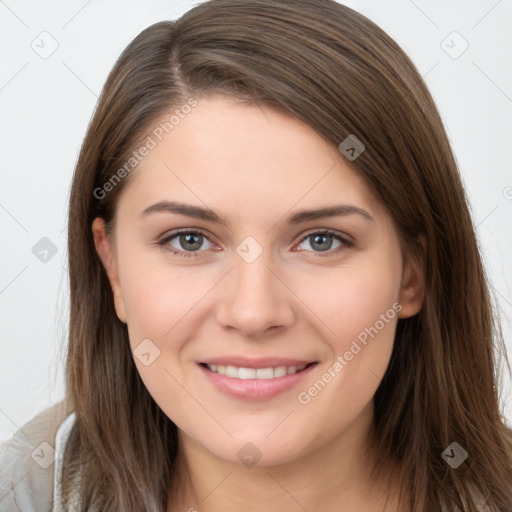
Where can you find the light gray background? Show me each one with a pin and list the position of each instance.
(46, 104)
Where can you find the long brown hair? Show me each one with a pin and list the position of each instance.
(341, 74)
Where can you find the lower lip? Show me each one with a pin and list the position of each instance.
(255, 389)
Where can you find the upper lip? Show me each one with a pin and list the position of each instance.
(260, 362)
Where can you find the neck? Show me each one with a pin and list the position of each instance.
(339, 473)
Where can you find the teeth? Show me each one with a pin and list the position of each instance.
(246, 373)
(280, 371)
(265, 373)
(231, 371)
(253, 373)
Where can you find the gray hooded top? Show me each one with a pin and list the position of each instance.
(30, 463)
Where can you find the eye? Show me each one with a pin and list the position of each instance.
(187, 243)
(322, 241)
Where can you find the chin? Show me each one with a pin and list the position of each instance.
(256, 450)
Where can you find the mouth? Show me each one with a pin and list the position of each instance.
(245, 373)
(255, 380)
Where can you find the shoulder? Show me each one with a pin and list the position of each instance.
(29, 461)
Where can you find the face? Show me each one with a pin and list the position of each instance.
(260, 326)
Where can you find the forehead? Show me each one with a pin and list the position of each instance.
(238, 157)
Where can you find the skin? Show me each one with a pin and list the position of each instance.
(255, 166)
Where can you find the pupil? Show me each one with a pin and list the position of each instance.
(189, 239)
(320, 237)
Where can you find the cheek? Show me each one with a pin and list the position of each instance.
(351, 298)
(360, 353)
(158, 297)
(360, 306)
(160, 307)
(162, 304)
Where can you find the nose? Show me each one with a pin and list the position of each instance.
(254, 298)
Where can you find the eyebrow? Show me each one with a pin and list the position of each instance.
(206, 214)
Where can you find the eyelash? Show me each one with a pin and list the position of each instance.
(345, 241)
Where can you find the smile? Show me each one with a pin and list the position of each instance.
(238, 372)
(253, 380)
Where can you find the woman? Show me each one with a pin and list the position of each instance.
(327, 339)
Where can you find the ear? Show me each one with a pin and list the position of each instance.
(106, 255)
(412, 292)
